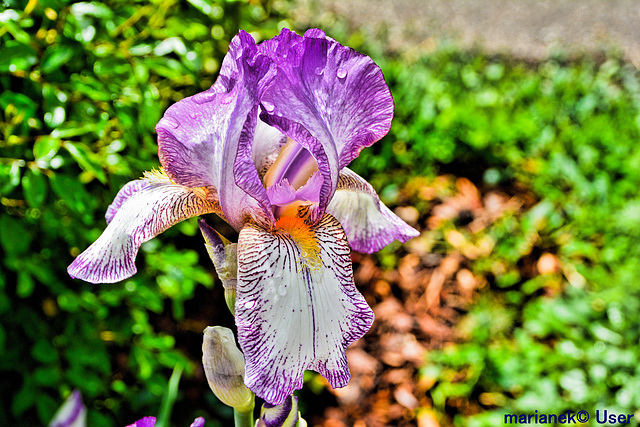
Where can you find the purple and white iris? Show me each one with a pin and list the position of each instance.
(266, 148)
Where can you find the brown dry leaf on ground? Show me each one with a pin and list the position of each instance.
(419, 304)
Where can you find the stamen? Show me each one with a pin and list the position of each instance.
(304, 237)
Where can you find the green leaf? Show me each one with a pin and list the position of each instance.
(14, 237)
(72, 191)
(86, 159)
(55, 57)
(46, 147)
(34, 185)
(22, 103)
(25, 285)
(16, 56)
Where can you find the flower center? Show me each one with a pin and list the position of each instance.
(304, 237)
(290, 181)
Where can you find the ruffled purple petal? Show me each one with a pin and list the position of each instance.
(198, 422)
(204, 139)
(72, 413)
(147, 213)
(328, 98)
(297, 306)
(368, 223)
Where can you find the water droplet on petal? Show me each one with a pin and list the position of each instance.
(342, 73)
(170, 121)
(319, 71)
(282, 290)
(268, 106)
(203, 97)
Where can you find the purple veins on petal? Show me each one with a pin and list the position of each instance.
(367, 222)
(144, 215)
(297, 275)
(72, 413)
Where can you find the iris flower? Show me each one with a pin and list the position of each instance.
(266, 148)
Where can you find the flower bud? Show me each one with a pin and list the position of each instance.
(224, 367)
(224, 255)
(283, 415)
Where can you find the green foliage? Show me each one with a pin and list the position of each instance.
(83, 85)
(568, 131)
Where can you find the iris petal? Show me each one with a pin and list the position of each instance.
(328, 98)
(142, 216)
(204, 140)
(297, 306)
(368, 223)
(72, 413)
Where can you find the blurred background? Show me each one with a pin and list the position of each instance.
(514, 150)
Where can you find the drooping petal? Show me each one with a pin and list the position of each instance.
(144, 215)
(328, 98)
(144, 422)
(367, 222)
(297, 306)
(72, 413)
(200, 137)
(125, 192)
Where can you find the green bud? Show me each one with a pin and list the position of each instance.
(224, 367)
(224, 255)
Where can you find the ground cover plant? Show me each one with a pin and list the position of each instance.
(520, 294)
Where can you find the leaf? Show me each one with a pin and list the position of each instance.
(86, 159)
(25, 285)
(71, 191)
(34, 186)
(46, 147)
(14, 238)
(16, 56)
(55, 57)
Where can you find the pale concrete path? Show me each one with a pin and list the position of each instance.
(524, 28)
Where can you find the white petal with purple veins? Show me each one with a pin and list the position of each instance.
(368, 223)
(144, 215)
(72, 413)
(297, 306)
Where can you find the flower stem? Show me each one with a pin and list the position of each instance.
(243, 419)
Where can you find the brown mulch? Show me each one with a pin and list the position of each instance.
(419, 303)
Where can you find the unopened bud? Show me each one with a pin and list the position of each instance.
(283, 415)
(224, 255)
(224, 367)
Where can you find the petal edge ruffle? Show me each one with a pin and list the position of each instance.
(142, 216)
(293, 314)
(368, 223)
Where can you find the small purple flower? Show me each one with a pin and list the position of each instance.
(266, 148)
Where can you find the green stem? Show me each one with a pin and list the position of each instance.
(243, 419)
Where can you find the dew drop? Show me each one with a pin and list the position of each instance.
(342, 73)
(171, 122)
(268, 106)
(203, 97)
(282, 290)
(319, 71)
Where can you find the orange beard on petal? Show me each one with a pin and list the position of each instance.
(304, 237)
